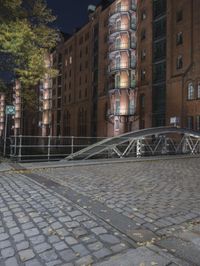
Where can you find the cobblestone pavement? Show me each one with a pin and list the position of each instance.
(154, 194)
(38, 227)
(118, 214)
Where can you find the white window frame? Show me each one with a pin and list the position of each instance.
(190, 91)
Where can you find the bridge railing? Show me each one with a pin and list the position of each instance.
(38, 148)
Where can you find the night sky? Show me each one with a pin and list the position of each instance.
(70, 14)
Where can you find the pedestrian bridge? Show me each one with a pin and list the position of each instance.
(146, 142)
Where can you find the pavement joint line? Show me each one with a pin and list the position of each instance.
(87, 212)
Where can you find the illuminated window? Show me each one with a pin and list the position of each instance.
(70, 60)
(117, 81)
(191, 91)
(117, 107)
(118, 43)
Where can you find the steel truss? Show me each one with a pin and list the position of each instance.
(147, 142)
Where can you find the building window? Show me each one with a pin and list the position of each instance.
(179, 16)
(179, 38)
(191, 91)
(159, 50)
(190, 123)
(198, 122)
(143, 15)
(198, 90)
(159, 28)
(143, 34)
(132, 106)
(118, 62)
(143, 54)
(142, 102)
(117, 81)
(116, 124)
(118, 43)
(179, 62)
(117, 107)
(159, 7)
(159, 72)
(70, 60)
(143, 74)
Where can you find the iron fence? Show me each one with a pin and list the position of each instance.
(34, 148)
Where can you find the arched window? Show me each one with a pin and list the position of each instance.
(191, 91)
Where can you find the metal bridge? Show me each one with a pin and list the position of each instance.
(146, 142)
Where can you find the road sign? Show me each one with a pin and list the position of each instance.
(10, 110)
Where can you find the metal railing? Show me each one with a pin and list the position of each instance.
(122, 46)
(38, 148)
(123, 66)
(122, 85)
(124, 27)
(143, 143)
(123, 8)
(122, 112)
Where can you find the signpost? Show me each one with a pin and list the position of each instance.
(10, 110)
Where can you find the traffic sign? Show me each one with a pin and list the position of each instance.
(10, 110)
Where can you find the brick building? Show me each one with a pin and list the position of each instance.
(94, 94)
(169, 63)
(134, 64)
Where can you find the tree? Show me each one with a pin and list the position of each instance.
(25, 39)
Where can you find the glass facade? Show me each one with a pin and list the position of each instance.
(159, 63)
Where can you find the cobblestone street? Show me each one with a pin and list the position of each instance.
(124, 213)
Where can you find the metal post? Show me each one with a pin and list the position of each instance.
(49, 147)
(72, 144)
(20, 147)
(15, 148)
(139, 148)
(5, 136)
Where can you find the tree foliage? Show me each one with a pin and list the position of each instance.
(26, 38)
